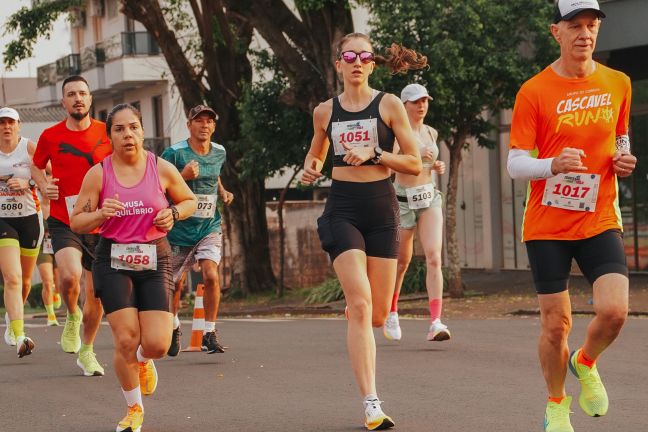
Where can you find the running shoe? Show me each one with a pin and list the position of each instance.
(9, 337)
(391, 329)
(56, 300)
(557, 416)
(52, 322)
(148, 377)
(133, 420)
(438, 331)
(88, 363)
(24, 346)
(70, 338)
(210, 343)
(174, 349)
(593, 398)
(375, 418)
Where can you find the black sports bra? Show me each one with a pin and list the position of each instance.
(357, 129)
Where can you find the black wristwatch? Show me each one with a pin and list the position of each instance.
(379, 153)
(175, 213)
(31, 183)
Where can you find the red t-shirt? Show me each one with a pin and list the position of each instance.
(72, 154)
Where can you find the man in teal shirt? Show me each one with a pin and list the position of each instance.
(198, 238)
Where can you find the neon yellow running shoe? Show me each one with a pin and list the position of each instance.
(557, 416)
(593, 398)
(70, 338)
(133, 420)
(56, 300)
(148, 377)
(87, 361)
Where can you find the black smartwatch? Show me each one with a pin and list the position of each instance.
(379, 153)
(175, 213)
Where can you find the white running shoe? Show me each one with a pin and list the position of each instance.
(9, 337)
(438, 331)
(392, 330)
(375, 418)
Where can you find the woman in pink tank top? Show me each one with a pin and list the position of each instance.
(126, 197)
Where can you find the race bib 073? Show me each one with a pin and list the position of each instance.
(206, 206)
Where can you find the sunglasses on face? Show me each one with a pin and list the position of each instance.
(351, 56)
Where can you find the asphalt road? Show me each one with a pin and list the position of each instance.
(294, 375)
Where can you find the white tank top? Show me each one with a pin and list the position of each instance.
(16, 165)
(423, 146)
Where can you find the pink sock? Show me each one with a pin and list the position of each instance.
(394, 306)
(435, 309)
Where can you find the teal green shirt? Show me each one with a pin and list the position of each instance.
(190, 231)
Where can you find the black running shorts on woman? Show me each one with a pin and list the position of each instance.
(144, 290)
(360, 216)
(596, 256)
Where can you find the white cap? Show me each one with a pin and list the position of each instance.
(414, 92)
(10, 113)
(568, 9)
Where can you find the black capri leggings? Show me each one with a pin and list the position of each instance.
(360, 216)
(144, 290)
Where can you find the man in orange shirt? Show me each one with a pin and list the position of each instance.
(72, 147)
(575, 114)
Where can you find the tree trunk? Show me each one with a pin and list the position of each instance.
(455, 286)
(247, 231)
(282, 234)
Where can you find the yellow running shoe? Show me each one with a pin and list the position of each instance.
(71, 338)
(593, 398)
(88, 363)
(133, 420)
(375, 418)
(557, 416)
(56, 300)
(148, 377)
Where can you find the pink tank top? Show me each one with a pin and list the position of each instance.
(142, 201)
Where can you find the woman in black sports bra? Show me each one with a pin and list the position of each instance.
(359, 226)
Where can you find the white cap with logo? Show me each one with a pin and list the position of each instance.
(9, 113)
(414, 92)
(568, 9)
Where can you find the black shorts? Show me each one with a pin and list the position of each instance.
(144, 290)
(360, 216)
(596, 256)
(63, 236)
(25, 232)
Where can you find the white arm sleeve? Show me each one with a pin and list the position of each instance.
(522, 166)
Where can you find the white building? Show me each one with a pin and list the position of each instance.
(122, 63)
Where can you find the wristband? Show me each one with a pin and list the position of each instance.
(175, 213)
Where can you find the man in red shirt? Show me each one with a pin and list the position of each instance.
(72, 147)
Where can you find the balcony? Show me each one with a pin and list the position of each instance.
(157, 145)
(120, 61)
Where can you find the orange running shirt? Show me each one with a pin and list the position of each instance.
(552, 112)
(72, 154)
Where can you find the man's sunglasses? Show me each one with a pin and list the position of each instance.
(351, 56)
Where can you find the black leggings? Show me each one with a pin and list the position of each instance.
(144, 290)
(360, 216)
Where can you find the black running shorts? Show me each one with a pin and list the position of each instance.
(144, 290)
(360, 216)
(596, 256)
(63, 237)
(25, 232)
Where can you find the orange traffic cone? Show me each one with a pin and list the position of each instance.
(198, 324)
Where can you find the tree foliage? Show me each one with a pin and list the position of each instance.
(31, 24)
(479, 53)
